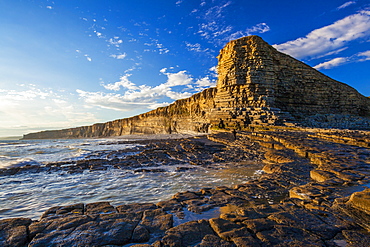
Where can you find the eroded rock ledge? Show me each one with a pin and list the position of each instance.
(313, 192)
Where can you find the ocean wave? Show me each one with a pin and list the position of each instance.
(6, 162)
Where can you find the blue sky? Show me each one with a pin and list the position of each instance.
(67, 63)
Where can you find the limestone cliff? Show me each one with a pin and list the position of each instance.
(254, 75)
(256, 85)
(183, 116)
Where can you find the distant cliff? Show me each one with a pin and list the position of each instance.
(183, 116)
(256, 85)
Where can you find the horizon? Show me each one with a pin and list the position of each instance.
(65, 65)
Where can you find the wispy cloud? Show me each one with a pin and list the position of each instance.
(364, 56)
(195, 47)
(358, 57)
(329, 38)
(332, 63)
(156, 46)
(257, 29)
(214, 25)
(346, 4)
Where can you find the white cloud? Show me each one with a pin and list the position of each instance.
(335, 52)
(124, 82)
(259, 28)
(49, 7)
(332, 63)
(329, 38)
(364, 56)
(178, 79)
(178, 85)
(359, 57)
(115, 41)
(346, 4)
(157, 105)
(99, 34)
(206, 82)
(119, 56)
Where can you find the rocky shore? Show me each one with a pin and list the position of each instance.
(313, 192)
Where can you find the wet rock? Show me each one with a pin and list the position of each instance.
(187, 234)
(258, 225)
(99, 208)
(170, 205)
(135, 207)
(149, 170)
(55, 231)
(183, 169)
(140, 234)
(310, 223)
(14, 232)
(105, 229)
(157, 221)
(185, 196)
(198, 205)
(75, 209)
(288, 236)
(223, 227)
(233, 232)
(361, 200)
(213, 241)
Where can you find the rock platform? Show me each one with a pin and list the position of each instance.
(314, 191)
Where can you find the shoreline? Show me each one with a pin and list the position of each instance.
(321, 178)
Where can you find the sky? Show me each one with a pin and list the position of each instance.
(68, 63)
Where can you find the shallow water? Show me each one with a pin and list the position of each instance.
(30, 194)
(36, 152)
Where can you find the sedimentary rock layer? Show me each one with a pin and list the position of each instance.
(256, 85)
(183, 116)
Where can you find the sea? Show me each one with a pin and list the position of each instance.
(29, 194)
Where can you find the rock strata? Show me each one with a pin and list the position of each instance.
(314, 192)
(257, 85)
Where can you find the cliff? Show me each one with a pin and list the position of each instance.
(256, 85)
(183, 116)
